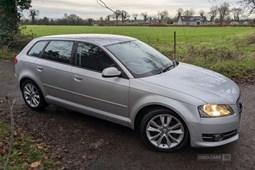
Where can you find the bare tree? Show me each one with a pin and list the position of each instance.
(179, 13)
(224, 11)
(45, 21)
(101, 19)
(188, 14)
(145, 16)
(162, 15)
(213, 13)
(248, 5)
(202, 13)
(236, 13)
(135, 16)
(108, 17)
(117, 14)
(72, 19)
(90, 21)
(33, 14)
(124, 15)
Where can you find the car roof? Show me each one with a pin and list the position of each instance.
(97, 39)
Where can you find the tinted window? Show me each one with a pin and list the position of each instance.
(37, 48)
(92, 57)
(60, 51)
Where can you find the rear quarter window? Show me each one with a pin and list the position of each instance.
(37, 49)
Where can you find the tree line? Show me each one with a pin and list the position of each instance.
(71, 19)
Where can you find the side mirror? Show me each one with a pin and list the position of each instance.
(111, 72)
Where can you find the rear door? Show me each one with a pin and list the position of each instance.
(54, 69)
(108, 96)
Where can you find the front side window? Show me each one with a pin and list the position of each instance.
(91, 57)
(140, 59)
(59, 51)
(37, 49)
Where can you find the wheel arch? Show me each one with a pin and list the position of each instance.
(143, 111)
(23, 79)
(26, 76)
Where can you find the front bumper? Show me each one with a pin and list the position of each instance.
(212, 132)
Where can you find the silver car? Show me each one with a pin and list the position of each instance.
(124, 80)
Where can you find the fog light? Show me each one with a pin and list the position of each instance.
(218, 137)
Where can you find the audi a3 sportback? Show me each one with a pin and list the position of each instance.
(124, 80)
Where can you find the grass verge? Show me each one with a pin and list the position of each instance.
(25, 154)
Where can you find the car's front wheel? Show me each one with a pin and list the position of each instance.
(32, 95)
(164, 131)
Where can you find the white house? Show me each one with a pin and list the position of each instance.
(193, 20)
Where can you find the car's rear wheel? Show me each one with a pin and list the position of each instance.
(32, 95)
(164, 131)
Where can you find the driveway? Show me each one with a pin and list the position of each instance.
(84, 142)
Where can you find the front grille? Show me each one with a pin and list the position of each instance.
(218, 137)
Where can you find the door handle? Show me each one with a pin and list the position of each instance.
(77, 78)
(39, 68)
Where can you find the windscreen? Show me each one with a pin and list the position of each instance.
(139, 58)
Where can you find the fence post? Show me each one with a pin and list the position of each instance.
(174, 42)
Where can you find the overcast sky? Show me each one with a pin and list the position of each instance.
(90, 8)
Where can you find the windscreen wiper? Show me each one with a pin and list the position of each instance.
(169, 67)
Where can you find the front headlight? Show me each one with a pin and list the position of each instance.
(215, 110)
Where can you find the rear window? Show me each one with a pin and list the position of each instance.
(37, 49)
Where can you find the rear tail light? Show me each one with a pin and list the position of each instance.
(15, 61)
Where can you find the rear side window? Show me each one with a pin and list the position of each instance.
(37, 49)
(59, 51)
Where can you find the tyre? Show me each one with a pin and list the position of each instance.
(164, 131)
(32, 95)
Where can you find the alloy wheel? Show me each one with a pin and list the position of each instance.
(165, 131)
(31, 95)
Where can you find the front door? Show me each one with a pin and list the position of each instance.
(107, 96)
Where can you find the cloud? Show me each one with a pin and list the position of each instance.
(90, 8)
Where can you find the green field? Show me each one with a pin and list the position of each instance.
(228, 50)
(186, 36)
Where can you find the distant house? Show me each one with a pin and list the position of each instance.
(193, 20)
